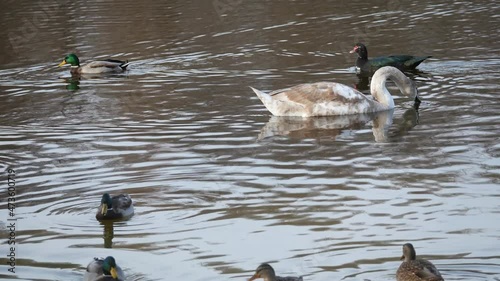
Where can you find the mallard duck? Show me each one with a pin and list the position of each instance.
(95, 67)
(413, 269)
(266, 272)
(104, 270)
(328, 98)
(403, 62)
(116, 207)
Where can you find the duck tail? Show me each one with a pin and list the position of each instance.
(124, 65)
(415, 61)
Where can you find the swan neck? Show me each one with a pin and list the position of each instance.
(378, 85)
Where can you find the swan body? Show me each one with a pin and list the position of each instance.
(413, 269)
(329, 98)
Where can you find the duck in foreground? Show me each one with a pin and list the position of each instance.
(329, 98)
(95, 67)
(403, 62)
(266, 272)
(116, 207)
(104, 270)
(413, 269)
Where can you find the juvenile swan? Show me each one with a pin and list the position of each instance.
(329, 98)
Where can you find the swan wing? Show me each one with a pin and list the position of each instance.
(320, 99)
(321, 92)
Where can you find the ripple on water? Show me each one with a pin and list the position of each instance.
(218, 185)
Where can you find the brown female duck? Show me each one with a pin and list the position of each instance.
(413, 269)
(266, 272)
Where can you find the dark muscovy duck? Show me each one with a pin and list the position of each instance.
(403, 62)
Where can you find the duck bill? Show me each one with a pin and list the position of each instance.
(255, 276)
(104, 209)
(114, 273)
(402, 257)
(354, 50)
(62, 63)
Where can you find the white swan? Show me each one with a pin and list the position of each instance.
(328, 98)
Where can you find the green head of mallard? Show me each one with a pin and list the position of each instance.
(408, 252)
(264, 271)
(71, 59)
(106, 203)
(109, 267)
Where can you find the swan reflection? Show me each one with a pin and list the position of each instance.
(332, 126)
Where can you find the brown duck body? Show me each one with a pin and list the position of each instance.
(279, 278)
(266, 272)
(413, 269)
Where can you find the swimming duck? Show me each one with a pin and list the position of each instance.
(328, 98)
(403, 62)
(104, 270)
(116, 207)
(266, 272)
(413, 269)
(95, 67)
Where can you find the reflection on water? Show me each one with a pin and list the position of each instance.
(333, 126)
(300, 127)
(108, 234)
(218, 185)
(73, 83)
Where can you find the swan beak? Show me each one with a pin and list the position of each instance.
(417, 100)
(104, 209)
(354, 50)
(62, 63)
(114, 273)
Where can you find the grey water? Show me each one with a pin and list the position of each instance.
(219, 185)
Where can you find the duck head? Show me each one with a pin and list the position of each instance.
(361, 50)
(264, 271)
(109, 267)
(412, 91)
(408, 252)
(71, 59)
(106, 203)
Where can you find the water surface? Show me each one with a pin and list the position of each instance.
(219, 185)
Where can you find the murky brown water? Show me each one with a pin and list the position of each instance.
(221, 186)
